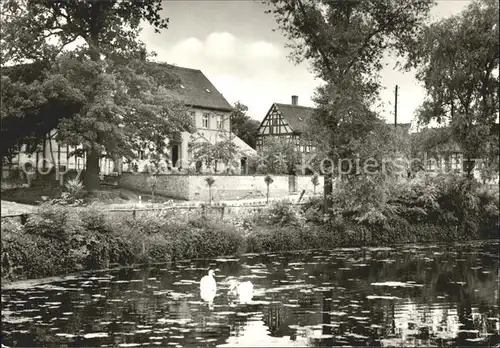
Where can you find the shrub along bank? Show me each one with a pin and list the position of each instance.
(60, 240)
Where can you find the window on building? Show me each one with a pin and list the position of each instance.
(219, 122)
(447, 163)
(258, 142)
(431, 164)
(215, 166)
(206, 117)
(455, 161)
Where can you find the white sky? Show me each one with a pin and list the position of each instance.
(232, 42)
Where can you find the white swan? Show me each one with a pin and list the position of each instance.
(244, 291)
(208, 287)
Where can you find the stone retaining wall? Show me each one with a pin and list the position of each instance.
(225, 187)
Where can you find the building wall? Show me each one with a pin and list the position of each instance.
(54, 154)
(214, 116)
(449, 163)
(174, 186)
(62, 158)
(225, 187)
(211, 133)
(61, 154)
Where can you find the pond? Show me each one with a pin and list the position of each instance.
(404, 296)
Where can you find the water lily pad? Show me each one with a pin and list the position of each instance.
(95, 335)
(397, 284)
(65, 335)
(379, 297)
(174, 321)
(227, 260)
(16, 320)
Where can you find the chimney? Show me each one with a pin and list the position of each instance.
(295, 100)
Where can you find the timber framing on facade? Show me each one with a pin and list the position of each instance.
(286, 122)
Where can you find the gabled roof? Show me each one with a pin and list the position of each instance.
(196, 90)
(441, 138)
(435, 139)
(295, 115)
(243, 147)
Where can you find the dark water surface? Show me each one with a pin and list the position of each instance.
(407, 296)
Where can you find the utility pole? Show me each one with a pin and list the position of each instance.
(396, 106)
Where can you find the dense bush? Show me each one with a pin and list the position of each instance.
(59, 240)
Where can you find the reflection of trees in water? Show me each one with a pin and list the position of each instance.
(470, 302)
(274, 317)
(306, 309)
(255, 333)
(439, 323)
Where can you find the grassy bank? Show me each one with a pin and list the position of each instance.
(61, 240)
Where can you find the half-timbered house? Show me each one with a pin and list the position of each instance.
(286, 122)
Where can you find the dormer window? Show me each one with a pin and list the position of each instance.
(207, 90)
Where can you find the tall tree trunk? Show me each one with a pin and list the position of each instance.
(56, 170)
(91, 177)
(327, 194)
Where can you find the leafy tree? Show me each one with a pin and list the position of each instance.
(31, 107)
(224, 151)
(278, 156)
(367, 178)
(457, 60)
(345, 42)
(126, 102)
(243, 125)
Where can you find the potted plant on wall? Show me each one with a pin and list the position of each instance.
(268, 180)
(210, 181)
(315, 181)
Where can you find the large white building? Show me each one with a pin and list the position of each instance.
(207, 107)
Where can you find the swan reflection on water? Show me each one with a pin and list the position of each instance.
(239, 292)
(243, 292)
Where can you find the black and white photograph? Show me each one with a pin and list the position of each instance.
(250, 173)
